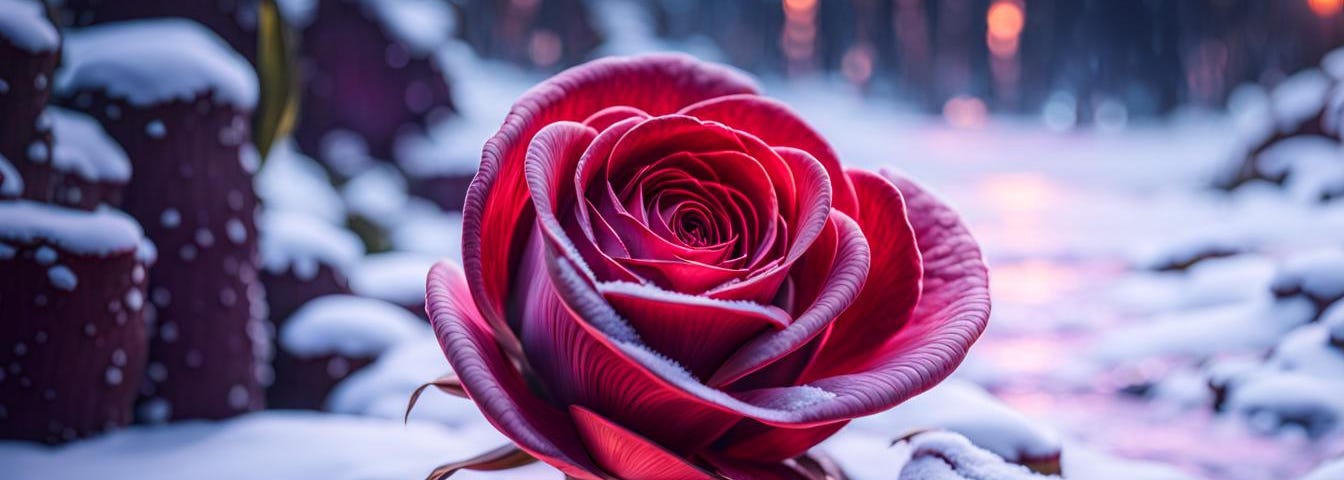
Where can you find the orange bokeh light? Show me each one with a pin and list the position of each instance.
(1004, 23)
(1325, 8)
(1006, 18)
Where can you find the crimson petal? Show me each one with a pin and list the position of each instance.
(778, 125)
(889, 297)
(491, 380)
(657, 84)
(627, 454)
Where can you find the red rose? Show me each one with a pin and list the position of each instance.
(669, 276)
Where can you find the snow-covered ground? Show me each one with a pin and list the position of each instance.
(1092, 358)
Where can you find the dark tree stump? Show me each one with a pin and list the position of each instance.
(72, 300)
(184, 124)
(29, 46)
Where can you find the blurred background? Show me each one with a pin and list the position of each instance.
(216, 219)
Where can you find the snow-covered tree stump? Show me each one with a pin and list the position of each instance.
(86, 169)
(330, 338)
(233, 20)
(177, 98)
(72, 299)
(370, 74)
(29, 46)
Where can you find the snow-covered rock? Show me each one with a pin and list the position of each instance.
(298, 243)
(25, 26)
(350, 326)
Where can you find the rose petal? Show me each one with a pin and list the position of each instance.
(609, 116)
(889, 297)
(778, 125)
(627, 454)
(491, 380)
(696, 332)
(758, 442)
(842, 283)
(657, 84)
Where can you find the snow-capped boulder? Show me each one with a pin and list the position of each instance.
(948, 456)
(73, 300)
(330, 338)
(304, 258)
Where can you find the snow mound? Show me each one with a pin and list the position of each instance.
(301, 244)
(149, 62)
(423, 25)
(381, 389)
(1329, 471)
(25, 25)
(429, 230)
(948, 456)
(1318, 274)
(377, 194)
(272, 444)
(966, 409)
(1299, 97)
(99, 232)
(290, 181)
(349, 325)
(397, 277)
(81, 146)
(1312, 167)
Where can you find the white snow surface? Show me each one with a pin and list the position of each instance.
(948, 456)
(378, 194)
(397, 277)
(1329, 471)
(82, 146)
(350, 326)
(289, 181)
(424, 228)
(101, 232)
(148, 62)
(423, 25)
(25, 25)
(300, 244)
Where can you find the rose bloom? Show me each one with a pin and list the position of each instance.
(667, 275)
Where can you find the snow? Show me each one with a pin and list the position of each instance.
(11, 184)
(1270, 399)
(99, 232)
(423, 25)
(1318, 273)
(1299, 97)
(290, 181)
(429, 230)
(378, 194)
(381, 389)
(148, 62)
(81, 146)
(25, 25)
(299, 243)
(964, 408)
(62, 277)
(452, 147)
(1329, 471)
(1313, 166)
(315, 446)
(397, 277)
(1199, 333)
(350, 326)
(948, 456)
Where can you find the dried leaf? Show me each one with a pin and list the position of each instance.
(502, 458)
(448, 384)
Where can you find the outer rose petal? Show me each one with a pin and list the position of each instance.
(893, 287)
(657, 84)
(626, 454)
(492, 381)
